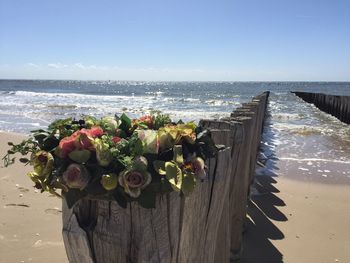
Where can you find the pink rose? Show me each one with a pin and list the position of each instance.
(84, 140)
(96, 131)
(76, 176)
(116, 139)
(198, 167)
(80, 140)
(148, 120)
(66, 146)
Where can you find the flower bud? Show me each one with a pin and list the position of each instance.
(109, 181)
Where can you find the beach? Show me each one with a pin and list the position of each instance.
(289, 220)
(30, 222)
(298, 221)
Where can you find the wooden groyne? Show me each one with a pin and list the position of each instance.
(338, 106)
(203, 227)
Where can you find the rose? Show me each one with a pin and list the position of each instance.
(110, 124)
(103, 153)
(148, 120)
(66, 146)
(84, 139)
(42, 162)
(150, 141)
(96, 131)
(116, 139)
(175, 134)
(76, 176)
(165, 139)
(136, 178)
(134, 181)
(199, 167)
(80, 140)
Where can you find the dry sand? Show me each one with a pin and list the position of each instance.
(30, 222)
(292, 221)
(296, 221)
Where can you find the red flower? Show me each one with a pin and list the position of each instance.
(66, 146)
(79, 140)
(148, 120)
(116, 139)
(96, 131)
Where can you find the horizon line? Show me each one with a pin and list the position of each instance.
(214, 81)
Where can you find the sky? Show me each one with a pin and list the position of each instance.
(180, 40)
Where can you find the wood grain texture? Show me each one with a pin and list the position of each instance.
(205, 226)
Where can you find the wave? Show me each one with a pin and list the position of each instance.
(312, 160)
(72, 95)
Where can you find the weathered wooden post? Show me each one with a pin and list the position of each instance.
(338, 106)
(204, 227)
(179, 229)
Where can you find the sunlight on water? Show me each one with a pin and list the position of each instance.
(299, 130)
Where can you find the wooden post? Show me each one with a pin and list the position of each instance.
(179, 229)
(338, 106)
(204, 227)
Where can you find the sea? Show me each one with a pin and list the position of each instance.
(310, 144)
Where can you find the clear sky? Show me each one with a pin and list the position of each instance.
(175, 40)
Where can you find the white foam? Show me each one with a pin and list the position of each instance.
(313, 160)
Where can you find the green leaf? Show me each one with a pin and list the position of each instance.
(37, 131)
(73, 196)
(159, 167)
(95, 188)
(50, 143)
(142, 125)
(174, 175)
(24, 160)
(80, 156)
(125, 122)
(120, 198)
(40, 136)
(180, 122)
(178, 156)
(188, 184)
(147, 199)
(137, 147)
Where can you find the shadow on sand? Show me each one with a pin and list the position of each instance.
(263, 206)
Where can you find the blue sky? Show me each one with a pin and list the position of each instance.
(175, 40)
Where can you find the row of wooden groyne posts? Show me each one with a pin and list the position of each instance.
(203, 227)
(338, 106)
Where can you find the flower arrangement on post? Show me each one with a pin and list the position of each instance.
(116, 158)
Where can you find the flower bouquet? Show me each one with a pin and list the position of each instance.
(116, 158)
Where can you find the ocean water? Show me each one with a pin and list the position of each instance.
(296, 133)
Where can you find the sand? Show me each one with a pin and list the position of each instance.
(291, 221)
(30, 222)
(298, 221)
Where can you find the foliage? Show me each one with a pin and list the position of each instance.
(116, 157)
